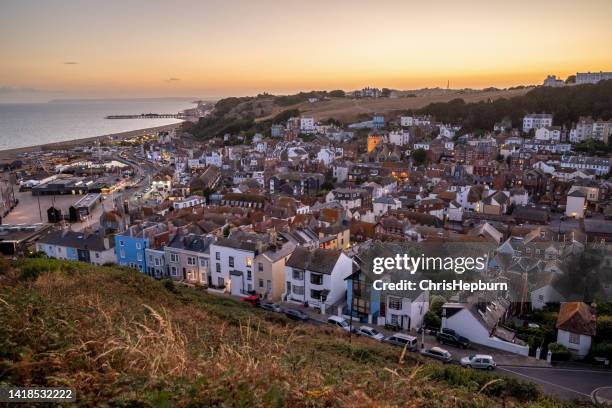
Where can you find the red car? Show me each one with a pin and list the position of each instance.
(251, 300)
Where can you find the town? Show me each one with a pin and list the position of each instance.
(291, 218)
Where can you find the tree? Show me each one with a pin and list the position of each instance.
(570, 79)
(435, 304)
(337, 93)
(419, 156)
(431, 320)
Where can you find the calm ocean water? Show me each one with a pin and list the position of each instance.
(23, 125)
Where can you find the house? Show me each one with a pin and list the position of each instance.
(130, 245)
(401, 309)
(307, 124)
(482, 322)
(536, 121)
(576, 326)
(575, 204)
(231, 261)
(316, 278)
(382, 205)
(77, 246)
(350, 198)
(270, 271)
(189, 202)
(187, 258)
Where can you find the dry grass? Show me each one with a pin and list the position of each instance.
(119, 337)
(348, 110)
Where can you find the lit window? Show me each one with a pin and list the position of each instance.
(248, 262)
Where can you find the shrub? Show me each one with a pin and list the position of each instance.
(431, 320)
(559, 352)
(603, 349)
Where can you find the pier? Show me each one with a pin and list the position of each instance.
(149, 116)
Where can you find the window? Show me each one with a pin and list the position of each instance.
(139, 257)
(298, 275)
(261, 283)
(541, 298)
(574, 338)
(315, 294)
(218, 256)
(122, 253)
(269, 285)
(316, 279)
(97, 254)
(191, 260)
(138, 245)
(220, 282)
(157, 262)
(173, 270)
(248, 261)
(204, 263)
(260, 267)
(249, 277)
(231, 261)
(394, 320)
(121, 243)
(218, 268)
(298, 290)
(395, 303)
(173, 257)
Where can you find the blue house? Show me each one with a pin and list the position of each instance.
(378, 121)
(130, 245)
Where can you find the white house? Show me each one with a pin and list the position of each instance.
(548, 134)
(231, 264)
(575, 204)
(316, 278)
(77, 246)
(536, 121)
(188, 202)
(482, 324)
(399, 137)
(382, 205)
(406, 121)
(454, 211)
(576, 326)
(307, 124)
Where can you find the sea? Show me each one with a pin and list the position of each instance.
(31, 124)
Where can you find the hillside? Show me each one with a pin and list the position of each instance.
(120, 337)
(349, 110)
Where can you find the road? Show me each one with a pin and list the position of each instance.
(564, 383)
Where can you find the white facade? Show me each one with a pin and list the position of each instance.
(231, 269)
(304, 286)
(575, 206)
(404, 312)
(189, 202)
(536, 121)
(307, 124)
(399, 138)
(466, 324)
(579, 344)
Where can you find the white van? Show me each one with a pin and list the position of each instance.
(338, 322)
(403, 340)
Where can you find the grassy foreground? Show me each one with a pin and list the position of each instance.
(122, 339)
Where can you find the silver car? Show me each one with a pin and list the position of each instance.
(438, 353)
(482, 361)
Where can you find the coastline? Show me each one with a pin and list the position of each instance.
(12, 154)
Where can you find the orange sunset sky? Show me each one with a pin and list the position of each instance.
(63, 49)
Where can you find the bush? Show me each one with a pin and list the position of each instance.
(603, 349)
(487, 383)
(435, 304)
(559, 352)
(432, 320)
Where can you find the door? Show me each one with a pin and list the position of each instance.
(237, 286)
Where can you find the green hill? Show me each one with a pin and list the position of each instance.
(121, 338)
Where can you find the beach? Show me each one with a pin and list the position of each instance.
(12, 154)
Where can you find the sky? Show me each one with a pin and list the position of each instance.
(136, 48)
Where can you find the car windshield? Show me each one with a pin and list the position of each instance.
(343, 323)
(472, 357)
(374, 332)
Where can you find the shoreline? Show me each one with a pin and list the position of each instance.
(12, 154)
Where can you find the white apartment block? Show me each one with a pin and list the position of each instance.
(307, 124)
(592, 77)
(399, 138)
(536, 121)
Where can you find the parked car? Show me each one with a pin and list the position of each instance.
(339, 322)
(295, 314)
(453, 340)
(371, 333)
(438, 353)
(272, 307)
(481, 361)
(403, 340)
(252, 300)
